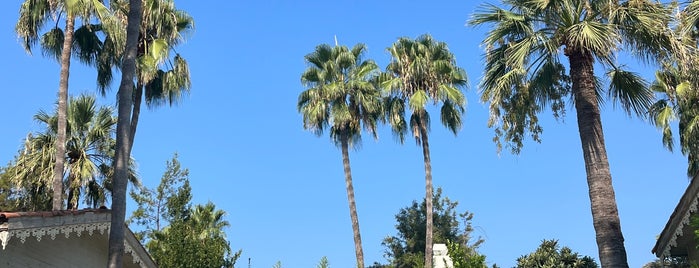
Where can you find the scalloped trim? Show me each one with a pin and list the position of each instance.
(66, 230)
(679, 230)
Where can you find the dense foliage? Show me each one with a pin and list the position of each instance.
(177, 234)
(550, 254)
(406, 249)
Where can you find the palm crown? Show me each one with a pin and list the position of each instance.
(420, 71)
(341, 94)
(524, 74)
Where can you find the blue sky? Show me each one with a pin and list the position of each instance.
(283, 188)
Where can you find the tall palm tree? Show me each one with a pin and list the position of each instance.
(123, 143)
(524, 74)
(161, 79)
(423, 71)
(34, 14)
(341, 96)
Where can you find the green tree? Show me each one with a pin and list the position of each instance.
(550, 254)
(342, 97)
(154, 206)
(421, 71)
(33, 15)
(33, 195)
(465, 257)
(123, 142)
(406, 249)
(176, 233)
(524, 75)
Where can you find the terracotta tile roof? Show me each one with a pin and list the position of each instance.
(9, 215)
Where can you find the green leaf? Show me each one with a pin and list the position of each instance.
(159, 49)
(683, 89)
(418, 101)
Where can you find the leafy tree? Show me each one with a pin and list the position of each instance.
(154, 206)
(421, 71)
(465, 257)
(406, 249)
(550, 254)
(176, 233)
(123, 142)
(524, 75)
(34, 14)
(30, 196)
(26, 195)
(341, 97)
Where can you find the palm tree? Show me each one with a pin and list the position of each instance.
(341, 96)
(34, 193)
(88, 146)
(89, 151)
(208, 222)
(34, 14)
(421, 71)
(160, 78)
(677, 85)
(524, 74)
(679, 103)
(123, 143)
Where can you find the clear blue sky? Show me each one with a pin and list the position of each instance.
(283, 188)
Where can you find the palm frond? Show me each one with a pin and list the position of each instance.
(33, 15)
(631, 91)
(52, 43)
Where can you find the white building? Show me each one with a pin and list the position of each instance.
(440, 259)
(63, 239)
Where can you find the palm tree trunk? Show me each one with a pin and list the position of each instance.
(62, 115)
(428, 191)
(121, 158)
(352, 206)
(73, 191)
(137, 98)
(605, 216)
(73, 197)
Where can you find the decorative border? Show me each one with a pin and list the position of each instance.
(66, 230)
(679, 230)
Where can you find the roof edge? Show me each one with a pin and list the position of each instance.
(678, 218)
